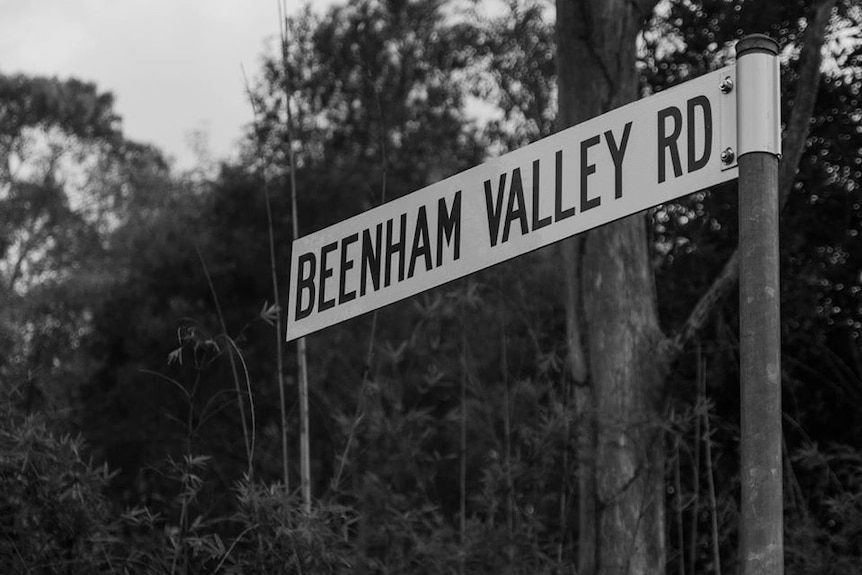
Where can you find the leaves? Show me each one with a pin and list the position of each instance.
(71, 105)
(269, 313)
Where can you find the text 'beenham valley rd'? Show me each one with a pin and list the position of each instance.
(570, 182)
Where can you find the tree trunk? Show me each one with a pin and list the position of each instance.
(617, 358)
(613, 331)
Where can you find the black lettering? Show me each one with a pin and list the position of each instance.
(538, 223)
(586, 170)
(617, 153)
(395, 248)
(669, 141)
(346, 264)
(305, 283)
(701, 102)
(449, 227)
(559, 212)
(370, 259)
(516, 195)
(325, 272)
(494, 209)
(420, 243)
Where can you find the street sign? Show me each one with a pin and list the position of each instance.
(633, 158)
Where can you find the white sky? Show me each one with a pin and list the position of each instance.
(172, 65)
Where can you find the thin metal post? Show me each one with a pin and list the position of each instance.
(762, 539)
(304, 436)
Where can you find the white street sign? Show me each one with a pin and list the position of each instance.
(611, 166)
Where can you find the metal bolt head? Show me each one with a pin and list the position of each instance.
(727, 156)
(726, 85)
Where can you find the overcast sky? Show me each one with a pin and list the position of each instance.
(172, 65)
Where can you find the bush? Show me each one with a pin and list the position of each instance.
(278, 537)
(53, 511)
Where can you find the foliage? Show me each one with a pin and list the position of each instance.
(513, 71)
(824, 534)
(279, 538)
(54, 516)
(75, 106)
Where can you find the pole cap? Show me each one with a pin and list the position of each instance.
(758, 97)
(756, 43)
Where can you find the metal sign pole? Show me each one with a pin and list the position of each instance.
(759, 147)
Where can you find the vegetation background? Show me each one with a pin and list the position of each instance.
(140, 420)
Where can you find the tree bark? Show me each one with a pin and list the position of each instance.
(613, 332)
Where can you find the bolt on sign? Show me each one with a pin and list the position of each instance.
(633, 158)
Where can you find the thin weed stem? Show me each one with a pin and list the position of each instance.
(279, 354)
(233, 367)
(301, 350)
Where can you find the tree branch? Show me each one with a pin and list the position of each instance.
(793, 145)
(796, 130)
(26, 246)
